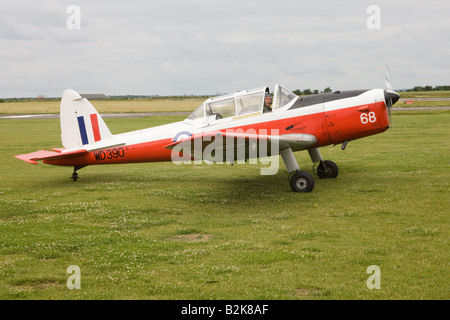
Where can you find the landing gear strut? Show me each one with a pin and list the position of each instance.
(75, 174)
(326, 169)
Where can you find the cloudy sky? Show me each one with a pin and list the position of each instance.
(212, 46)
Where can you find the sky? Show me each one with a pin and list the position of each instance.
(208, 47)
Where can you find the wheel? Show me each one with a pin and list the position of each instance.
(301, 182)
(74, 176)
(327, 170)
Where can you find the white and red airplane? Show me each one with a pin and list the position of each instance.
(229, 128)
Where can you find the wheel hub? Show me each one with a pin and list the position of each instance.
(302, 183)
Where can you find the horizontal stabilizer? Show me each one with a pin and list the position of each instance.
(48, 155)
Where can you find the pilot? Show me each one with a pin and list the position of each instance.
(267, 103)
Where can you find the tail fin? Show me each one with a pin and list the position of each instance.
(80, 123)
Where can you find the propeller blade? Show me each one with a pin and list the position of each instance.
(390, 96)
(387, 79)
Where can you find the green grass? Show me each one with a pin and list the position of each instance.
(422, 104)
(165, 231)
(105, 106)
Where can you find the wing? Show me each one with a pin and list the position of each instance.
(232, 146)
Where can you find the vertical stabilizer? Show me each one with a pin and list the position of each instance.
(81, 124)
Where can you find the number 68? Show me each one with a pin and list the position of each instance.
(370, 117)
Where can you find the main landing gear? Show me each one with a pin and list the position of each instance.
(326, 169)
(75, 174)
(301, 181)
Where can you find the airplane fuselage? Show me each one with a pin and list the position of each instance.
(332, 118)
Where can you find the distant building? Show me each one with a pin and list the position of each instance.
(94, 96)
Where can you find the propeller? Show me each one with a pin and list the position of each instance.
(390, 96)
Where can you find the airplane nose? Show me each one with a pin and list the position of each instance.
(391, 97)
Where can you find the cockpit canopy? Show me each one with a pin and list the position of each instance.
(242, 103)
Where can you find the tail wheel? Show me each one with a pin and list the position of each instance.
(75, 174)
(327, 170)
(301, 181)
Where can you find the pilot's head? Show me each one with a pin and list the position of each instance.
(268, 100)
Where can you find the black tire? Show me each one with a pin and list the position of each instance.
(74, 176)
(330, 172)
(301, 182)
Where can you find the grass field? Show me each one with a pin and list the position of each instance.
(425, 94)
(106, 106)
(165, 231)
(422, 104)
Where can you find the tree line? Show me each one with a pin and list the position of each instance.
(429, 88)
(298, 92)
(415, 89)
(307, 92)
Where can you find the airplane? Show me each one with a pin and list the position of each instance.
(230, 128)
